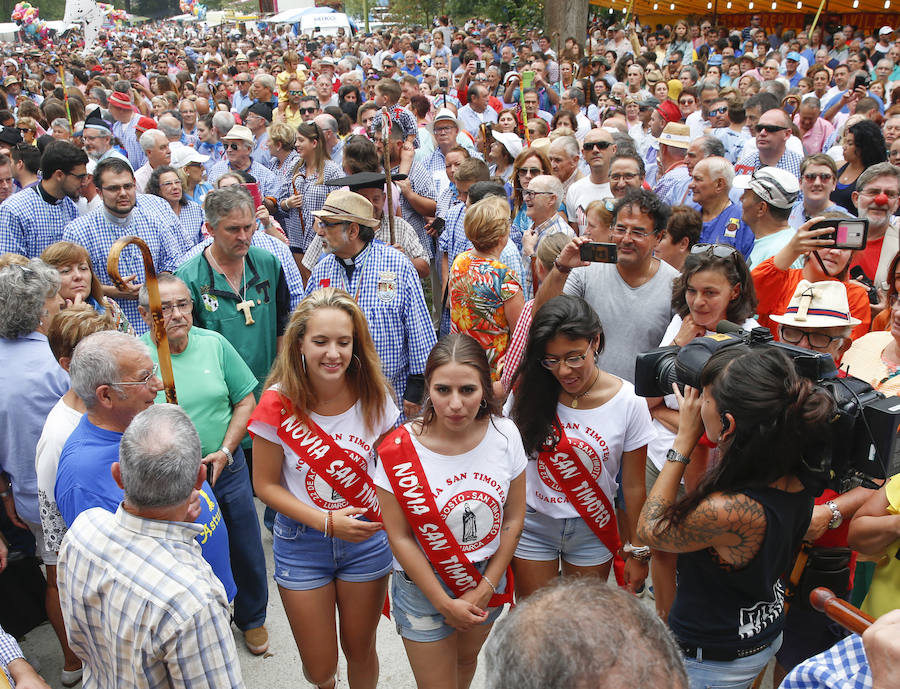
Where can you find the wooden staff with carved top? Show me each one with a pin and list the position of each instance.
(158, 325)
(388, 182)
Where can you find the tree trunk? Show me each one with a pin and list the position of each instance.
(569, 17)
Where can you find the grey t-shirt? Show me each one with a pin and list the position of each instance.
(633, 318)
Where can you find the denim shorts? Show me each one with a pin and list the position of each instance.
(547, 539)
(417, 619)
(731, 674)
(306, 559)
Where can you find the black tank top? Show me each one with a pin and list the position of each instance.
(726, 609)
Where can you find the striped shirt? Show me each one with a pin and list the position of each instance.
(142, 607)
(790, 161)
(96, 233)
(28, 224)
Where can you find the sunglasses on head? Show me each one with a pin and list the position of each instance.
(601, 145)
(717, 250)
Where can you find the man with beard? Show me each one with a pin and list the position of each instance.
(876, 197)
(98, 140)
(33, 219)
(119, 217)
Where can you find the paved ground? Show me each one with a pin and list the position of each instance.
(280, 667)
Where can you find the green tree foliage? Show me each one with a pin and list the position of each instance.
(524, 13)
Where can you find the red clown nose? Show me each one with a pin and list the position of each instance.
(881, 199)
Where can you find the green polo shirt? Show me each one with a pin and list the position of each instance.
(215, 307)
(210, 378)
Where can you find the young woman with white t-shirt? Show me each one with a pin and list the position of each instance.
(714, 285)
(604, 426)
(324, 410)
(473, 462)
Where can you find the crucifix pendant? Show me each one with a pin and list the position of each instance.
(245, 306)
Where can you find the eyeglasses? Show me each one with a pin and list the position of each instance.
(241, 81)
(80, 177)
(530, 193)
(443, 130)
(24, 130)
(770, 128)
(294, 93)
(116, 188)
(816, 340)
(325, 223)
(621, 231)
(576, 361)
(626, 176)
(185, 306)
(674, 62)
(307, 111)
(875, 192)
(813, 176)
(532, 171)
(154, 372)
(717, 250)
(719, 111)
(687, 101)
(175, 183)
(233, 147)
(600, 145)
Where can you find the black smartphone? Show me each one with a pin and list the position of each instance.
(861, 80)
(599, 252)
(856, 272)
(443, 82)
(438, 225)
(479, 67)
(849, 233)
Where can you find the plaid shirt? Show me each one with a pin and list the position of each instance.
(404, 235)
(97, 234)
(387, 289)
(142, 607)
(790, 161)
(314, 195)
(158, 208)
(422, 183)
(516, 347)
(843, 666)
(402, 117)
(28, 224)
(672, 186)
(127, 135)
(9, 651)
(268, 183)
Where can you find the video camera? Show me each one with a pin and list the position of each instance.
(864, 429)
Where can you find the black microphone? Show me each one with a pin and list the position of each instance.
(728, 327)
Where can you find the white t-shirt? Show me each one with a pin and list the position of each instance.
(660, 445)
(349, 431)
(579, 196)
(599, 437)
(470, 489)
(60, 423)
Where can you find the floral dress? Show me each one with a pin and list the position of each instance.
(479, 289)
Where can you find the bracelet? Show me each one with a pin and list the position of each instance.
(489, 582)
(330, 527)
(565, 270)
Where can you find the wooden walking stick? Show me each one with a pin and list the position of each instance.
(846, 615)
(62, 80)
(158, 325)
(388, 184)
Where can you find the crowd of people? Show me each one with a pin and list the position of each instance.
(401, 281)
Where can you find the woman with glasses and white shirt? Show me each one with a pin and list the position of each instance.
(581, 427)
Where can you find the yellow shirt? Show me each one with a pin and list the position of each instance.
(281, 81)
(289, 117)
(884, 593)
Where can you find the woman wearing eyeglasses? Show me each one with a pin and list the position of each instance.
(165, 183)
(776, 280)
(580, 427)
(528, 164)
(714, 285)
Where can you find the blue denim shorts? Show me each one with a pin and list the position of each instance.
(417, 619)
(731, 674)
(306, 559)
(547, 539)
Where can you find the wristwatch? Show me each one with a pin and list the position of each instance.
(225, 451)
(674, 455)
(836, 517)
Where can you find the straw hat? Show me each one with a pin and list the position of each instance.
(818, 305)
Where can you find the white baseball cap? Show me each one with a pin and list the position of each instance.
(511, 142)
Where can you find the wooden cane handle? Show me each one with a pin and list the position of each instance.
(846, 615)
(158, 322)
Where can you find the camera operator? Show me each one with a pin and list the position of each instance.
(715, 284)
(740, 529)
(826, 327)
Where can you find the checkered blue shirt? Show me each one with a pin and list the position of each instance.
(671, 187)
(261, 152)
(390, 294)
(28, 224)
(273, 246)
(159, 209)
(790, 161)
(268, 183)
(97, 234)
(142, 607)
(423, 184)
(127, 135)
(843, 666)
(314, 195)
(9, 651)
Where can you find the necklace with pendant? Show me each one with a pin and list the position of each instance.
(575, 398)
(244, 305)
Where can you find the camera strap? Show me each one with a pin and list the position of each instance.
(582, 490)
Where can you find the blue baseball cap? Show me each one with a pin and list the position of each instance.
(714, 60)
(793, 55)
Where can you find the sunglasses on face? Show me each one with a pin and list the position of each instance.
(307, 111)
(719, 111)
(233, 147)
(813, 176)
(600, 145)
(770, 128)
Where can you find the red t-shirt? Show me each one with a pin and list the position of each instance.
(867, 259)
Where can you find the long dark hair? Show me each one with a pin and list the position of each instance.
(735, 270)
(781, 424)
(869, 142)
(537, 389)
(461, 349)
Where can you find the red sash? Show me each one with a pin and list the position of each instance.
(321, 452)
(586, 496)
(404, 471)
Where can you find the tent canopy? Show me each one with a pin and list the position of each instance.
(866, 14)
(294, 15)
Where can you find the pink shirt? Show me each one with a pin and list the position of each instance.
(815, 138)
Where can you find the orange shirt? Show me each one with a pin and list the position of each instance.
(774, 289)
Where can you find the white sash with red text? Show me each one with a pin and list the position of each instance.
(407, 477)
(581, 489)
(320, 452)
